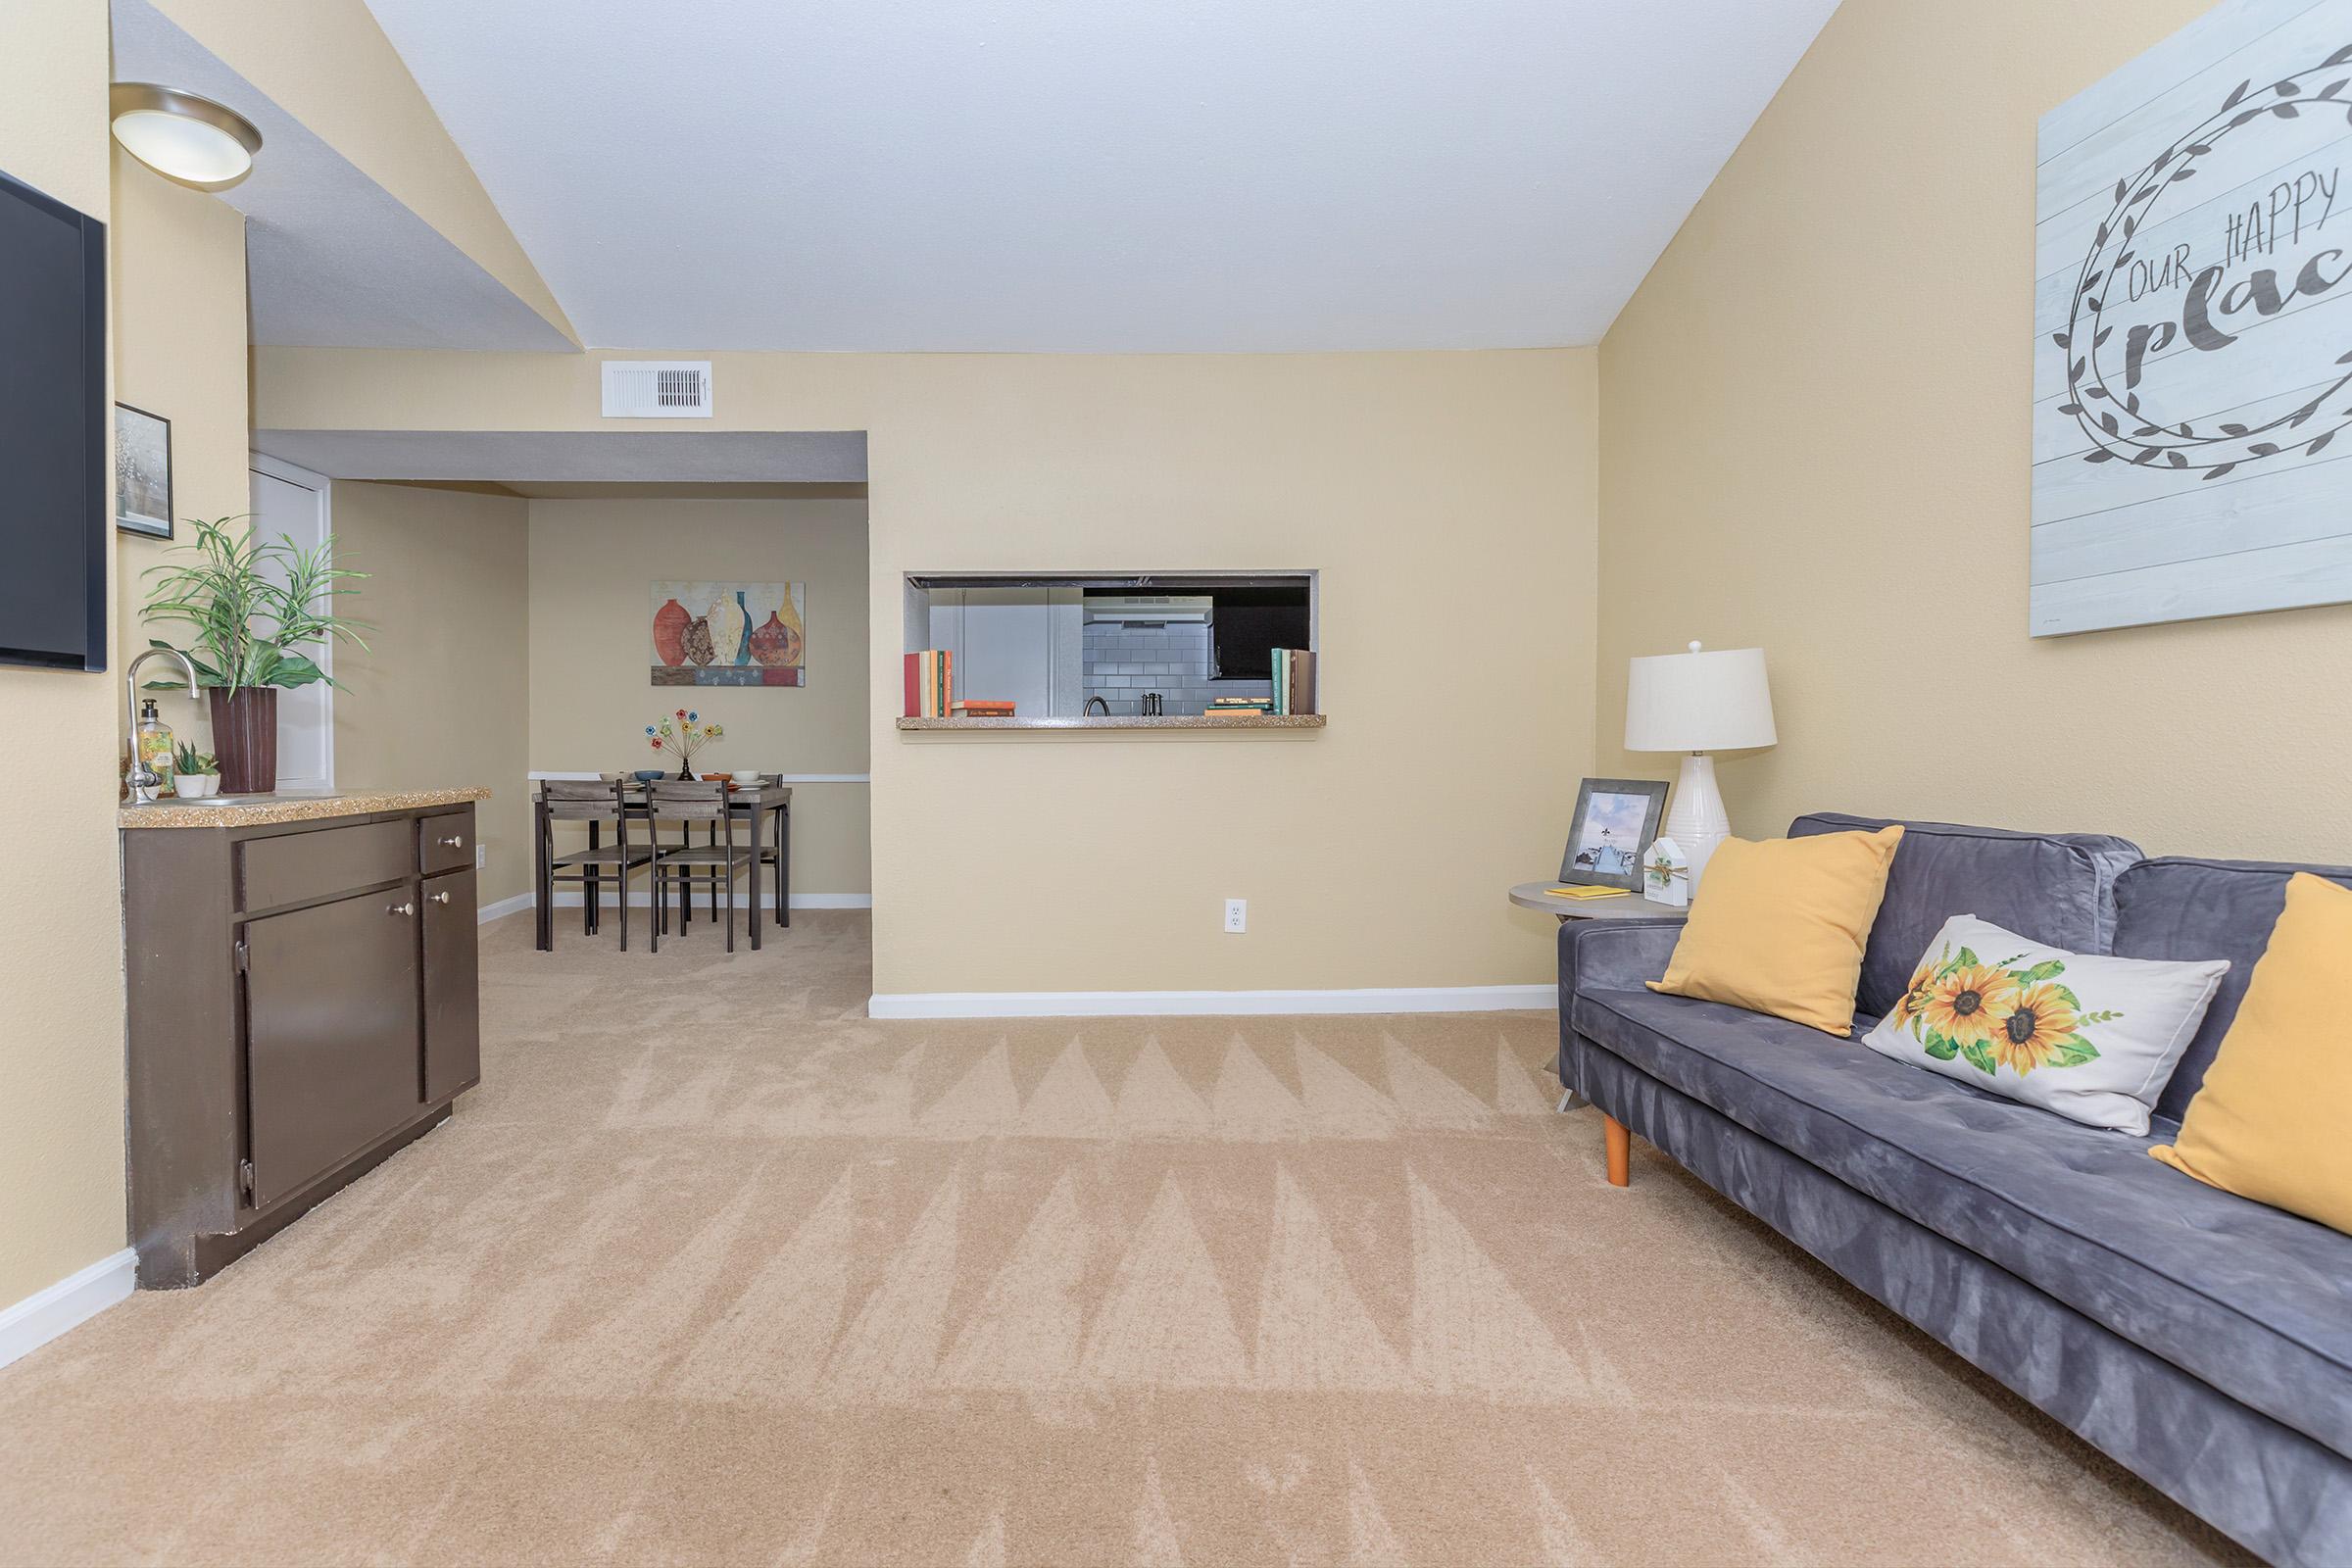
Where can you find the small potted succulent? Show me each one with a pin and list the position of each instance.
(681, 735)
(195, 774)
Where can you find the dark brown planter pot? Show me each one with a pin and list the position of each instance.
(245, 739)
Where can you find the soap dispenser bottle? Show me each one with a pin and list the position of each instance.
(155, 745)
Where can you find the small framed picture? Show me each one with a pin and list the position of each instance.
(1616, 818)
(142, 472)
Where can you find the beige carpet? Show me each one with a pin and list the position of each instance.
(713, 1269)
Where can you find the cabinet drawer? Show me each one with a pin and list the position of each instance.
(445, 842)
(291, 868)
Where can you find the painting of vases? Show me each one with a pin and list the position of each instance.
(669, 633)
(729, 634)
(726, 620)
(698, 642)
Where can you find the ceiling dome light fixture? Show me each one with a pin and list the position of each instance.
(182, 137)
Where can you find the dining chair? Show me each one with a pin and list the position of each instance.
(596, 804)
(717, 863)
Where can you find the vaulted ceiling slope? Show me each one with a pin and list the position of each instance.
(1069, 176)
(366, 229)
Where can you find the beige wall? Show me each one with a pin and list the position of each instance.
(179, 352)
(61, 1032)
(1814, 437)
(1449, 501)
(438, 697)
(593, 564)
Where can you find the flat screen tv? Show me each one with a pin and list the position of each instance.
(54, 530)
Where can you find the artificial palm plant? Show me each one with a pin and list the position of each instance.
(253, 606)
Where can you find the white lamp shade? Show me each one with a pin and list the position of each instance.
(1699, 702)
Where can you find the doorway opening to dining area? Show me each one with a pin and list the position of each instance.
(653, 647)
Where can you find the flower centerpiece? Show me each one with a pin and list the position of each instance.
(681, 735)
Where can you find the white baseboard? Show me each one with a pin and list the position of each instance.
(73, 1301)
(643, 898)
(505, 906)
(1196, 1004)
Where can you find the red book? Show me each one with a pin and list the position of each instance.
(914, 686)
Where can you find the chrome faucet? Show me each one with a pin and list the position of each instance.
(144, 780)
(1091, 703)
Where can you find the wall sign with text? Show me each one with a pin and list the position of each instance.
(2193, 327)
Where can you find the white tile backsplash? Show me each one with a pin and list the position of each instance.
(1123, 663)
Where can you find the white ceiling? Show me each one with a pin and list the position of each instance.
(1093, 175)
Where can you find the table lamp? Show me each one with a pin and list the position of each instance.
(1698, 702)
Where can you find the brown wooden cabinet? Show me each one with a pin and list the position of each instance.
(303, 1002)
(331, 1034)
(453, 1023)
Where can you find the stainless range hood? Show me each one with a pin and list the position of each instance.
(1150, 609)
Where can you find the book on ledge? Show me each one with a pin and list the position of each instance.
(1294, 680)
(930, 683)
(982, 707)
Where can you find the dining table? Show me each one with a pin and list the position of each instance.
(758, 804)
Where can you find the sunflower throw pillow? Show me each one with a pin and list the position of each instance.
(2091, 1038)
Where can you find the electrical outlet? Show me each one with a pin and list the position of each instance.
(481, 857)
(1237, 915)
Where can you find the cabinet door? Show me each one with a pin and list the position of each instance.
(331, 1042)
(453, 1017)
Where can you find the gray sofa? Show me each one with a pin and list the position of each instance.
(2203, 1341)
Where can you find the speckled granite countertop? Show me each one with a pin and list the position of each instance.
(1124, 722)
(255, 810)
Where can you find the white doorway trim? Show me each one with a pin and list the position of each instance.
(306, 715)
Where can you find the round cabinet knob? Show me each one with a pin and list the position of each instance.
(455, 841)
(440, 897)
(402, 909)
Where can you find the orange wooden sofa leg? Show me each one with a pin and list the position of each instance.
(1621, 1150)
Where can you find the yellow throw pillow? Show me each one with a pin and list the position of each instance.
(2268, 1122)
(1778, 927)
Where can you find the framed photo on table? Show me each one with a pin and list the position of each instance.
(1616, 820)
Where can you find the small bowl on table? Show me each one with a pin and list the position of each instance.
(747, 781)
(646, 775)
(728, 779)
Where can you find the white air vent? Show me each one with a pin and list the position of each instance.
(656, 389)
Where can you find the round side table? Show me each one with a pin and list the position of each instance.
(1632, 908)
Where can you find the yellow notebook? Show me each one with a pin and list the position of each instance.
(1588, 893)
